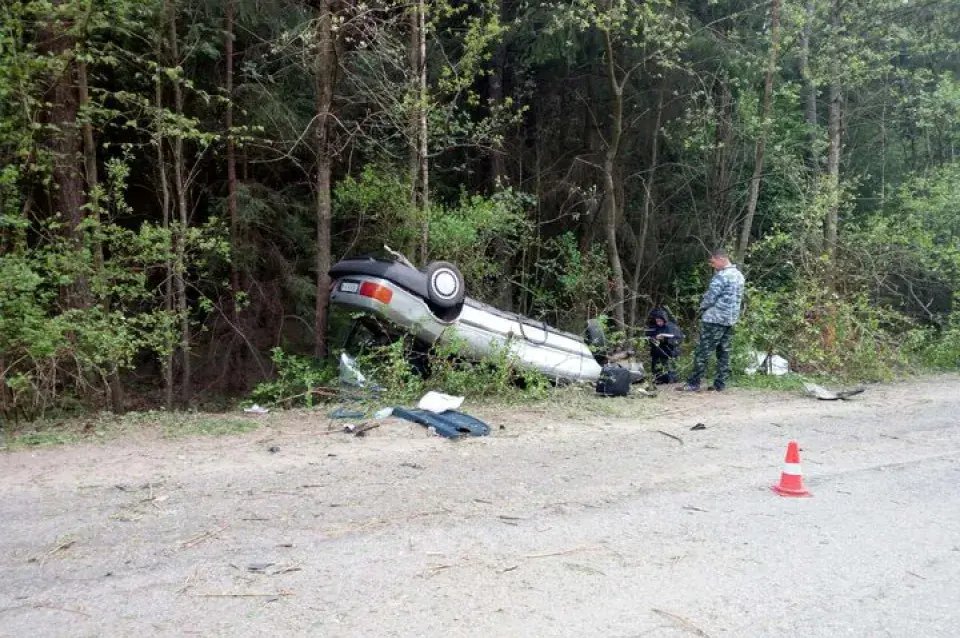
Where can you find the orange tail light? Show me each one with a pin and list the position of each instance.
(376, 291)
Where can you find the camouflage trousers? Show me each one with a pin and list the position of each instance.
(714, 337)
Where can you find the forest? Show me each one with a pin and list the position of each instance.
(177, 177)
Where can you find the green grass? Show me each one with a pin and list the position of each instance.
(206, 425)
(105, 426)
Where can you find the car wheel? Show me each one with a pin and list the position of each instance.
(445, 284)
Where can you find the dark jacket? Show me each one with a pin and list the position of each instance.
(668, 346)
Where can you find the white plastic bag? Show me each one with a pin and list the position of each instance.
(438, 402)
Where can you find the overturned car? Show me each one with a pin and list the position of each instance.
(431, 304)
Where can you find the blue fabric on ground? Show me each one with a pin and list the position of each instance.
(451, 424)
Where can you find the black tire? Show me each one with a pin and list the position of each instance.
(445, 284)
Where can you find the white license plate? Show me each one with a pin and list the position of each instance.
(350, 286)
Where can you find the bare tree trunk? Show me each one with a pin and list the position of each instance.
(833, 169)
(609, 166)
(647, 210)
(326, 77)
(179, 243)
(762, 139)
(809, 88)
(724, 157)
(423, 133)
(231, 163)
(114, 387)
(165, 204)
(65, 145)
(414, 156)
(496, 97)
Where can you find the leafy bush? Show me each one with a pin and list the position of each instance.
(499, 374)
(930, 349)
(299, 381)
(820, 332)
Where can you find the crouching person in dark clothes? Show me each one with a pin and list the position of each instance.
(665, 337)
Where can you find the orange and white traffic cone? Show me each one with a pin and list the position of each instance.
(791, 479)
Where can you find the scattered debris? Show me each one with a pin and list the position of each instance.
(258, 567)
(382, 414)
(53, 552)
(699, 426)
(829, 395)
(364, 428)
(412, 466)
(451, 424)
(273, 449)
(683, 622)
(693, 509)
(256, 409)
(768, 363)
(672, 436)
(343, 413)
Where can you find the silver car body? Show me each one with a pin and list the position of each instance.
(481, 329)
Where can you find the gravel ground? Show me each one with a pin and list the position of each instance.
(580, 519)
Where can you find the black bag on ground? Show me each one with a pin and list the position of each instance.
(614, 381)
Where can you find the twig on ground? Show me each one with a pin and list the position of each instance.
(188, 581)
(72, 611)
(562, 552)
(276, 594)
(672, 436)
(366, 428)
(59, 548)
(199, 538)
(683, 622)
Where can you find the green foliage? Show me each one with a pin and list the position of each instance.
(479, 234)
(498, 374)
(569, 285)
(819, 332)
(376, 200)
(929, 349)
(299, 381)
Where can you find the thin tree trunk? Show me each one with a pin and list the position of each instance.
(165, 204)
(423, 133)
(809, 89)
(647, 210)
(609, 165)
(180, 249)
(762, 138)
(414, 156)
(833, 169)
(231, 163)
(326, 77)
(724, 158)
(114, 387)
(496, 97)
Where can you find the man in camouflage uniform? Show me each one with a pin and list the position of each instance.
(721, 310)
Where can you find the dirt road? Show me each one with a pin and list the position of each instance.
(559, 524)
